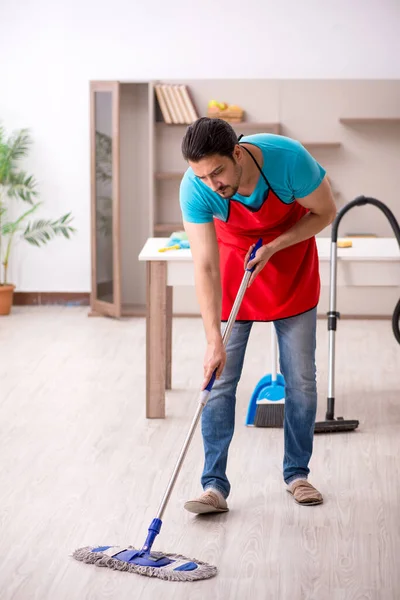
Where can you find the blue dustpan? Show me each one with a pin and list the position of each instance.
(269, 393)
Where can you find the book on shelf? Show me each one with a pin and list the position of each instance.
(176, 104)
(162, 104)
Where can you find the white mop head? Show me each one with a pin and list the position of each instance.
(169, 572)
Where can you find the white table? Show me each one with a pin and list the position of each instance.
(370, 262)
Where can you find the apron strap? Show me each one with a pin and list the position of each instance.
(258, 166)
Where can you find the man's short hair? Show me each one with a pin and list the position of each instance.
(206, 137)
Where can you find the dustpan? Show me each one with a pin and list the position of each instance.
(266, 406)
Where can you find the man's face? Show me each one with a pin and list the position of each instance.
(220, 173)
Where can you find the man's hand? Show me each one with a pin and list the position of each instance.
(259, 261)
(215, 357)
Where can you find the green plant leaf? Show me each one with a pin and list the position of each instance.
(43, 230)
(11, 151)
(15, 183)
(19, 143)
(21, 185)
(12, 227)
(8, 229)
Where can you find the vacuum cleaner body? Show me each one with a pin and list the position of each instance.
(332, 424)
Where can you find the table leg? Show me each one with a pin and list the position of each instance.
(168, 355)
(156, 339)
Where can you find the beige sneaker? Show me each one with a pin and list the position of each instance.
(208, 502)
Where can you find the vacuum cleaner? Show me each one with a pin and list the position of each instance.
(332, 424)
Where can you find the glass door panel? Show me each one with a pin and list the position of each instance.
(105, 174)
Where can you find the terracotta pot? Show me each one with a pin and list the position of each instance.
(6, 298)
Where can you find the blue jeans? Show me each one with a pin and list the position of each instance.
(297, 342)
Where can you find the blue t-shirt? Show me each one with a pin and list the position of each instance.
(289, 168)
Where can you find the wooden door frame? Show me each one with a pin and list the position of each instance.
(112, 309)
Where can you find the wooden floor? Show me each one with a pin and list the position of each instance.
(81, 465)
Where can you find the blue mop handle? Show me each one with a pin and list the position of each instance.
(252, 255)
(153, 532)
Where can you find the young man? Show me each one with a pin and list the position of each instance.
(267, 186)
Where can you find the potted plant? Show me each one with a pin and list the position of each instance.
(17, 187)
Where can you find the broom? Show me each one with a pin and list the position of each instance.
(267, 402)
(171, 567)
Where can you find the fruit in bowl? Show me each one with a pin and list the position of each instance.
(217, 105)
(222, 110)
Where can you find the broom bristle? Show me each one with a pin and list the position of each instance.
(269, 415)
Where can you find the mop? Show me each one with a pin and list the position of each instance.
(171, 567)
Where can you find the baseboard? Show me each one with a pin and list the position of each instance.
(49, 298)
(319, 317)
(362, 317)
(83, 299)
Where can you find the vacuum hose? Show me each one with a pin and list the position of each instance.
(361, 201)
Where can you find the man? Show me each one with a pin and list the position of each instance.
(267, 186)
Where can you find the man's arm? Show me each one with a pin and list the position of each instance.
(322, 212)
(204, 249)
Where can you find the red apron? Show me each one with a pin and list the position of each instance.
(289, 284)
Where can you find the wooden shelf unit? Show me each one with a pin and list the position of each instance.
(177, 175)
(249, 125)
(167, 228)
(168, 175)
(133, 310)
(310, 145)
(369, 120)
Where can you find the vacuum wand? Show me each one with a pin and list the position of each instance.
(332, 316)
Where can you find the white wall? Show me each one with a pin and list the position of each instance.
(51, 50)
